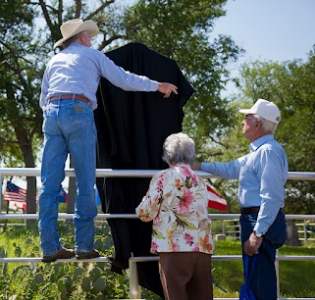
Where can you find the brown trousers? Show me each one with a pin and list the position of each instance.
(186, 275)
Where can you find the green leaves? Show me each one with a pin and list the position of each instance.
(291, 86)
(182, 30)
(100, 284)
(179, 29)
(19, 84)
(56, 280)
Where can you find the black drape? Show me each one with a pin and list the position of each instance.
(131, 129)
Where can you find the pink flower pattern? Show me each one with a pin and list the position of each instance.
(189, 239)
(177, 203)
(185, 202)
(154, 247)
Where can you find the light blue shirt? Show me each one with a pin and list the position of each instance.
(77, 70)
(262, 175)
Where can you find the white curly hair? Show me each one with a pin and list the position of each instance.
(178, 148)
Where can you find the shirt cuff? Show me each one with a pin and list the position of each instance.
(258, 230)
(154, 85)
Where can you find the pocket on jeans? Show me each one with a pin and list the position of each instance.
(81, 107)
(80, 118)
(79, 111)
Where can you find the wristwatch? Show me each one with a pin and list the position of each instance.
(259, 235)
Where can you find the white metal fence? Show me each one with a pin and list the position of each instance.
(306, 230)
(231, 229)
(135, 292)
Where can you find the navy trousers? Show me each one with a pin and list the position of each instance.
(263, 278)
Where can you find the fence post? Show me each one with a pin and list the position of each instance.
(223, 227)
(305, 231)
(134, 288)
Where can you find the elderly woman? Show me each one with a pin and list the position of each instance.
(177, 203)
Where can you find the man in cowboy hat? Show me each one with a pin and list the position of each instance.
(262, 175)
(68, 97)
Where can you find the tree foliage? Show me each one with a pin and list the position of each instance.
(290, 86)
(20, 117)
(28, 31)
(17, 79)
(182, 30)
(179, 29)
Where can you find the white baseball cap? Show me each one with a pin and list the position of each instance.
(265, 109)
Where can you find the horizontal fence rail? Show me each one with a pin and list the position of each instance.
(133, 283)
(102, 259)
(64, 216)
(130, 173)
(231, 257)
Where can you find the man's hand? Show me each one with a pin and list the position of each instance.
(167, 89)
(196, 165)
(252, 245)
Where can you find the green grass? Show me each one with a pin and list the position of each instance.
(297, 278)
(71, 281)
(78, 281)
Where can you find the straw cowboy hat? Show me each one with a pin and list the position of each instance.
(75, 26)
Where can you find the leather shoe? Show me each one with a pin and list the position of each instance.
(63, 253)
(87, 254)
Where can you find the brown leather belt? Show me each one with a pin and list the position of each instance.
(70, 97)
(250, 210)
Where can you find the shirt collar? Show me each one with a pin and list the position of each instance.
(74, 43)
(253, 146)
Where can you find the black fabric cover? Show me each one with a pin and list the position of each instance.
(131, 129)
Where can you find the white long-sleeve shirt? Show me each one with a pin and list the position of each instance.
(77, 70)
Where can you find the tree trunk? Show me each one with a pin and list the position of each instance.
(31, 206)
(24, 139)
(25, 144)
(31, 182)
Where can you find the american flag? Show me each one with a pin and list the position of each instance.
(215, 199)
(14, 193)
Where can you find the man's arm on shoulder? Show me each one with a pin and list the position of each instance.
(228, 170)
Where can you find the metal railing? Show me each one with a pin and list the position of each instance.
(307, 231)
(231, 229)
(310, 176)
(135, 292)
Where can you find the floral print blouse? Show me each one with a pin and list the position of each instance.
(177, 203)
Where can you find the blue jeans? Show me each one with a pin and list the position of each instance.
(68, 128)
(263, 278)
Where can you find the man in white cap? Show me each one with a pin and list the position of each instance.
(262, 175)
(68, 97)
